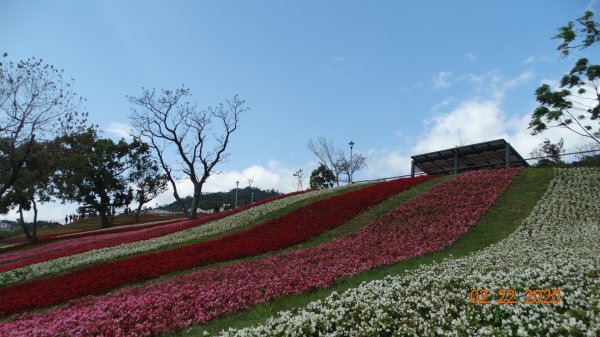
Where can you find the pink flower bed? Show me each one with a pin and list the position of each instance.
(427, 223)
(80, 244)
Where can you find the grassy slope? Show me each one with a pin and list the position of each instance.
(501, 220)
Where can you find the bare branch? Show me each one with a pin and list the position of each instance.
(168, 118)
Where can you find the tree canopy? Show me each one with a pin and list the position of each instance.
(36, 104)
(575, 104)
(95, 172)
(321, 177)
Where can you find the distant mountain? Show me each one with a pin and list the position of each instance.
(208, 201)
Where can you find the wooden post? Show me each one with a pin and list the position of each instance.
(507, 154)
(455, 161)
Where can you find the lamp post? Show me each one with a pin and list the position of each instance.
(237, 187)
(350, 166)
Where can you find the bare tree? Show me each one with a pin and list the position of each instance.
(349, 166)
(327, 155)
(36, 105)
(166, 122)
(335, 159)
(299, 175)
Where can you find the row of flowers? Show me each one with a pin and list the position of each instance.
(429, 222)
(556, 248)
(142, 245)
(287, 230)
(77, 233)
(78, 240)
(83, 242)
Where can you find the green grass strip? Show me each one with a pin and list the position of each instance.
(502, 219)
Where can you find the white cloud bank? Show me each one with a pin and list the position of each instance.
(119, 129)
(473, 120)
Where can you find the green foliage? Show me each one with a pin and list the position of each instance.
(322, 177)
(588, 32)
(34, 183)
(575, 105)
(94, 172)
(146, 176)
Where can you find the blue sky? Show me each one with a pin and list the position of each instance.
(396, 77)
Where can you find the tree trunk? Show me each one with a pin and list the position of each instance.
(195, 201)
(104, 218)
(137, 212)
(175, 193)
(30, 238)
(35, 214)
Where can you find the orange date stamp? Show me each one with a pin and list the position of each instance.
(509, 296)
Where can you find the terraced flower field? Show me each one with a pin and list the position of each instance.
(556, 248)
(198, 272)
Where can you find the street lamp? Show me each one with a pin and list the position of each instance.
(237, 187)
(350, 166)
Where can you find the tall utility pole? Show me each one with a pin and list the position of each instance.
(350, 168)
(237, 187)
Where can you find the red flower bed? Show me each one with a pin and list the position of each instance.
(285, 231)
(81, 243)
(429, 222)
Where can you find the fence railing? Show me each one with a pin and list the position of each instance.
(593, 158)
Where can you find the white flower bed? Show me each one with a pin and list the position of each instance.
(231, 222)
(556, 247)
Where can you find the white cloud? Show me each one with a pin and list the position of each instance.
(538, 58)
(442, 80)
(517, 81)
(119, 129)
(529, 60)
(339, 59)
(476, 120)
(386, 163)
(410, 88)
(471, 57)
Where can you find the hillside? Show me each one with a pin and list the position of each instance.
(369, 259)
(209, 200)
